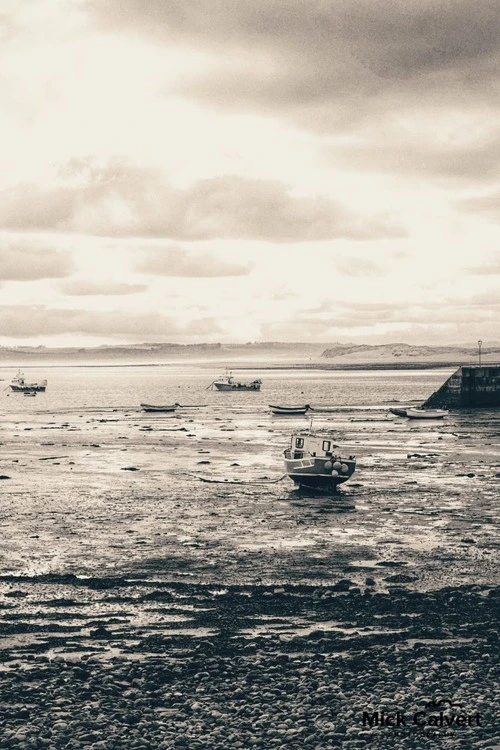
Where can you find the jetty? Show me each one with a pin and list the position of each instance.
(470, 387)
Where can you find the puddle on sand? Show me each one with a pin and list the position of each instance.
(293, 629)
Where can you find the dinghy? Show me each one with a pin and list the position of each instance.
(289, 410)
(426, 413)
(159, 408)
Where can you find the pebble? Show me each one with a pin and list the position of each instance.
(246, 691)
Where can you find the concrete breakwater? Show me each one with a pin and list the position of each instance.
(468, 388)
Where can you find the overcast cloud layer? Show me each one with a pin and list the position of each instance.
(205, 171)
(122, 200)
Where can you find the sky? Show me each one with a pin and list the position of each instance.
(275, 170)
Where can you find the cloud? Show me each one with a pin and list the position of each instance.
(122, 200)
(487, 299)
(21, 262)
(332, 319)
(411, 86)
(486, 205)
(446, 153)
(487, 269)
(174, 261)
(354, 266)
(287, 53)
(89, 288)
(28, 321)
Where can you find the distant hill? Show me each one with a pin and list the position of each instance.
(258, 354)
(151, 353)
(364, 353)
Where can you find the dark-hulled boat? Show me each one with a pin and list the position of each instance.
(159, 407)
(289, 410)
(20, 384)
(312, 461)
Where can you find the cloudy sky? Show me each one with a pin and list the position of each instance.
(217, 170)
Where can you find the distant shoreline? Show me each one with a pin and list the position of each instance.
(309, 366)
(357, 366)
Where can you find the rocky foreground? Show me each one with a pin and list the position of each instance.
(227, 682)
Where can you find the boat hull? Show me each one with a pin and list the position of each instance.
(288, 410)
(426, 413)
(159, 408)
(319, 482)
(399, 412)
(237, 386)
(318, 473)
(28, 388)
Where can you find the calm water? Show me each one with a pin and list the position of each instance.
(127, 387)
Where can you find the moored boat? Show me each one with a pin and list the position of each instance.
(426, 413)
(312, 461)
(20, 384)
(228, 383)
(159, 407)
(289, 410)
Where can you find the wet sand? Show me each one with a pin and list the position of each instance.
(141, 605)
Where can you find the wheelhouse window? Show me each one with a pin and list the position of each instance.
(326, 445)
(299, 442)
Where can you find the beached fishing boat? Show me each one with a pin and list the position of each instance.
(159, 407)
(228, 383)
(426, 413)
(312, 461)
(289, 410)
(20, 384)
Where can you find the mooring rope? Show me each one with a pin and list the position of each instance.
(233, 481)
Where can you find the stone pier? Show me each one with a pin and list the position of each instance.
(470, 387)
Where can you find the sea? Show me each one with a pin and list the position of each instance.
(126, 386)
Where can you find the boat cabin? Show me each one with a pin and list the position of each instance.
(304, 445)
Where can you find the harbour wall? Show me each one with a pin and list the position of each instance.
(470, 387)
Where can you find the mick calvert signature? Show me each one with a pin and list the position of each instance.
(434, 715)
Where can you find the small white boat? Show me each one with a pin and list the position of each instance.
(20, 384)
(289, 410)
(312, 461)
(426, 413)
(159, 407)
(228, 383)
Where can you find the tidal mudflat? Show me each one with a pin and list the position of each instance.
(162, 586)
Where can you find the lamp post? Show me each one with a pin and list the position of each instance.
(479, 345)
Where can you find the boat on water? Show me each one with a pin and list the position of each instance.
(159, 407)
(312, 461)
(20, 384)
(228, 383)
(426, 413)
(289, 410)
